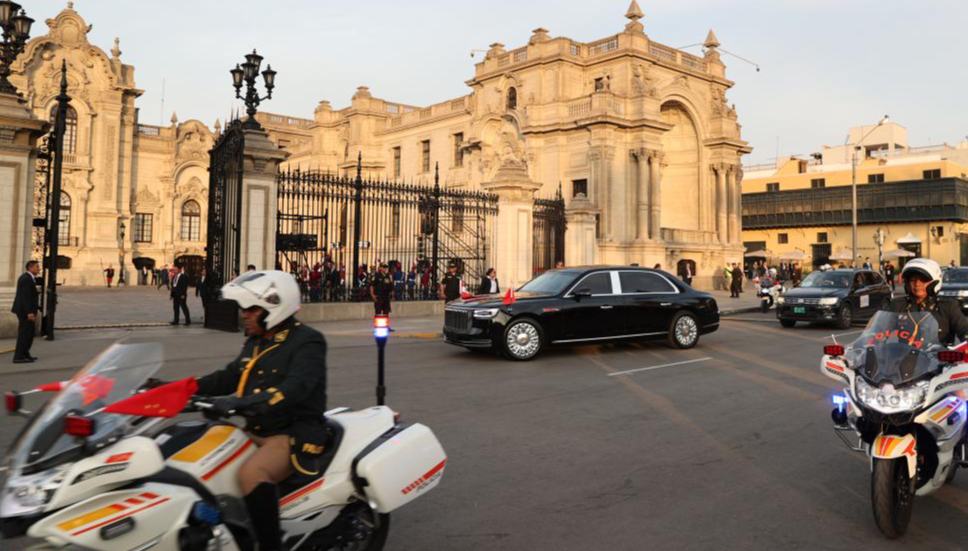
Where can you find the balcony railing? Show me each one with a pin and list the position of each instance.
(908, 201)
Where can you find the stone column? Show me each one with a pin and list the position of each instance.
(655, 185)
(734, 205)
(721, 204)
(261, 160)
(581, 246)
(644, 195)
(19, 131)
(514, 239)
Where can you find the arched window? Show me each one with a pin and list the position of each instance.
(512, 98)
(64, 226)
(70, 128)
(191, 216)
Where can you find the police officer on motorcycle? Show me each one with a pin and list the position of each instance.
(278, 381)
(922, 281)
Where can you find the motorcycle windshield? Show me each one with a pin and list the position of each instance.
(896, 348)
(114, 374)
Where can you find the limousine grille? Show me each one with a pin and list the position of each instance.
(457, 320)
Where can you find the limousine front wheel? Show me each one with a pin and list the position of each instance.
(683, 330)
(522, 340)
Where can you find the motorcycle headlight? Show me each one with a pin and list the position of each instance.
(829, 301)
(486, 313)
(780, 300)
(887, 399)
(36, 490)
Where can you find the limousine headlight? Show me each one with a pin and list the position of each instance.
(486, 313)
(828, 301)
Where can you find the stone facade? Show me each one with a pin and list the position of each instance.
(642, 130)
(638, 134)
(115, 170)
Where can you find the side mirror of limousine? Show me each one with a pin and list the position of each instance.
(582, 293)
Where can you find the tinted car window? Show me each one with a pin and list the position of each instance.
(873, 278)
(827, 280)
(955, 275)
(643, 282)
(596, 284)
(859, 280)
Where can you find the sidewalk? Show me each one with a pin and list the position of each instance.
(747, 302)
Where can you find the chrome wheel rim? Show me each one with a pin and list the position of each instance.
(686, 330)
(523, 340)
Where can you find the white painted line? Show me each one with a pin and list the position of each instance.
(843, 334)
(658, 367)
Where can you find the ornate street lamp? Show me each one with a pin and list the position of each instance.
(16, 30)
(246, 73)
(121, 281)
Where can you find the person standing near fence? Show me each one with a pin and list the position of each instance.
(489, 284)
(25, 306)
(109, 274)
(450, 285)
(381, 288)
(179, 295)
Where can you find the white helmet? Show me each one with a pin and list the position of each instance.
(275, 292)
(927, 268)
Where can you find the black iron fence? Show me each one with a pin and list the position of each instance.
(333, 232)
(549, 233)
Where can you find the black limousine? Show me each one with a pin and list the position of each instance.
(581, 305)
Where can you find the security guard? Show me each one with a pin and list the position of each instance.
(278, 382)
(381, 287)
(450, 285)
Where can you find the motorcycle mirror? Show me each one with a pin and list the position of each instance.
(833, 350)
(78, 425)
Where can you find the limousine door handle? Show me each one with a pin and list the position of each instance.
(606, 307)
(665, 304)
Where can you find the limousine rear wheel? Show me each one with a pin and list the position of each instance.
(683, 330)
(522, 339)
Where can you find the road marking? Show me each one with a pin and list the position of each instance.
(657, 367)
(843, 334)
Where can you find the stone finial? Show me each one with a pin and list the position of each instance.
(633, 14)
(218, 126)
(174, 118)
(711, 40)
(362, 92)
(539, 35)
(116, 50)
(70, 5)
(496, 49)
(324, 105)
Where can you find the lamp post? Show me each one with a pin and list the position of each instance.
(381, 332)
(246, 73)
(16, 30)
(853, 188)
(879, 237)
(121, 256)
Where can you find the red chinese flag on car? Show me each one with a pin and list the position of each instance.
(163, 401)
(464, 293)
(509, 297)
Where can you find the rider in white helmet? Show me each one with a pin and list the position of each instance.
(922, 282)
(278, 381)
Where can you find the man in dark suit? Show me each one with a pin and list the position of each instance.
(489, 285)
(179, 295)
(25, 304)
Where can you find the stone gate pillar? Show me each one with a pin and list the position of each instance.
(514, 239)
(581, 243)
(261, 160)
(19, 132)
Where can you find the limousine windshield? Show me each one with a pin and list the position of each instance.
(550, 282)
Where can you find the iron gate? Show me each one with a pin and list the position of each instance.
(333, 231)
(224, 240)
(549, 233)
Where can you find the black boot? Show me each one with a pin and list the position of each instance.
(263, 506)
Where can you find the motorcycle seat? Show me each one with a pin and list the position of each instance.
(334, 436)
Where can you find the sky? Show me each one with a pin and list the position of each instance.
(825, 65)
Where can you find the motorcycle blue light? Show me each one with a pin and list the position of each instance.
(203, 513)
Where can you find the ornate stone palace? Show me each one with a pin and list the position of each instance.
(152, 179)
(639, 136)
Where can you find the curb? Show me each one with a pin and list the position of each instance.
(734, 311)
(120, 325)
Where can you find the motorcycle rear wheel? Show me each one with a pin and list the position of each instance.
(892, 496)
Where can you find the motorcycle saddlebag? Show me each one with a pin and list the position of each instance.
(401, 465)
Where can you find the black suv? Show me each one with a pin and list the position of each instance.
(835, 296)
(954, 286)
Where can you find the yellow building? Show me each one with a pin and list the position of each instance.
(909, 198)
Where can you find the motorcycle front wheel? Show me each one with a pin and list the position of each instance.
(892, 496)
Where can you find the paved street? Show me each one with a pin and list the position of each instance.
(730, 451)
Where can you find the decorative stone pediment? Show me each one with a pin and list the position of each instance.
(69, 28)
(191, 188)
(147, 198)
